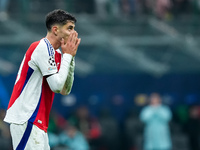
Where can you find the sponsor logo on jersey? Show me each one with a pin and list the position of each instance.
(52, 68)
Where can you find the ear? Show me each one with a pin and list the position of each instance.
(55, 30)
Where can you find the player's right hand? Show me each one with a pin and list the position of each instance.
(71, 45)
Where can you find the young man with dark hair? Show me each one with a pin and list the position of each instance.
(43, 71)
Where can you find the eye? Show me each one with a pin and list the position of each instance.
(70, 28)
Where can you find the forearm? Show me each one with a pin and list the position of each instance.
(70, 79)
(56, 81)
(147, 115)
(164, 115)
(68, 85)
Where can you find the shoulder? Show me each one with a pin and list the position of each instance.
(33, 46)
(146, 109)
(37, 45)
(165, 107)
(43, 45)
(41, 48)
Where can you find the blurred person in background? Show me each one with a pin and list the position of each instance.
(72, 138)
(66, 136)
(128, 7)
(160, 8)
(192, 128)
(156, 118)
(57, 124)
(40, 76)
(133, 129)
(4, 9)
(89, 126)
(110, 130)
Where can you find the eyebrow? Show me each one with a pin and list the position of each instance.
(70, 27)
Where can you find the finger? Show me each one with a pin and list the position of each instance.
(78, 42)
(76, 34)
(74, 37)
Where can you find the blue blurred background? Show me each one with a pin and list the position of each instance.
(129, 49)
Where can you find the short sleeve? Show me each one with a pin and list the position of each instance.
(44, 58)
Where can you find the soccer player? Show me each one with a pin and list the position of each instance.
(44, 71)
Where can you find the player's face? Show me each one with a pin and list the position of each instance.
(66, 30)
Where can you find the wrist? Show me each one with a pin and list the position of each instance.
(67, 57)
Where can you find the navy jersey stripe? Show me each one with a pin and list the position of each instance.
(29, 73)
(47, 43)
(25, 137)
(34, 115)
(50, 48)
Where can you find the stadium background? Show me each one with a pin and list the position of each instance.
(128, 50)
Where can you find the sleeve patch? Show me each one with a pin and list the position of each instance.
(52, 61)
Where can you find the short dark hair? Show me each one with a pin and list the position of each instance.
(58, 16)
